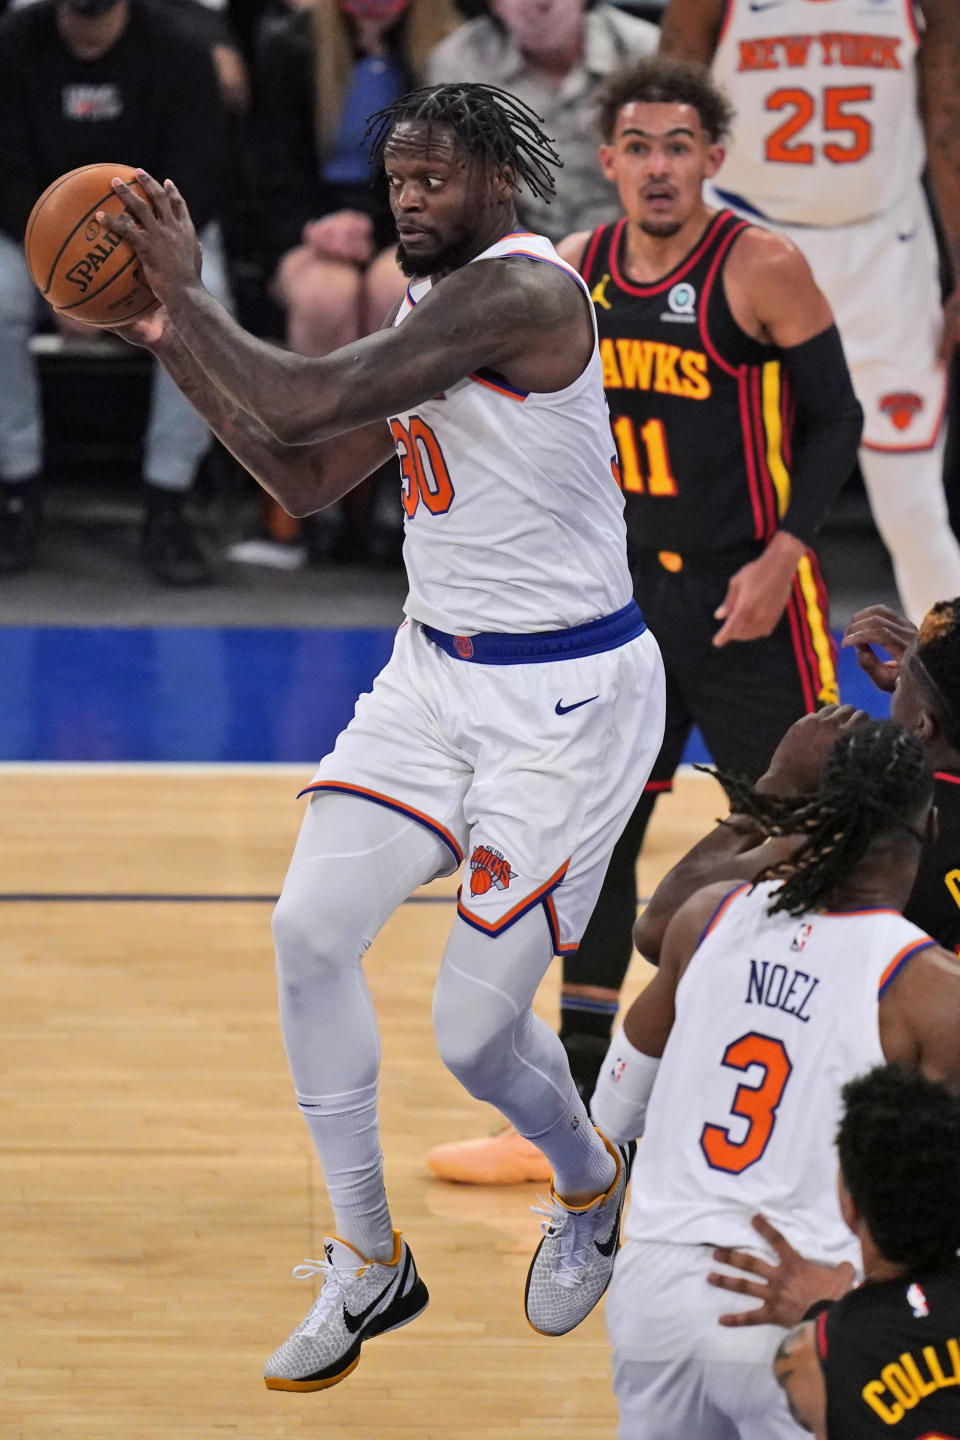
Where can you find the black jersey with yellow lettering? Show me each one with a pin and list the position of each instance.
(934, 902)
(700, 410)
(890, 1354)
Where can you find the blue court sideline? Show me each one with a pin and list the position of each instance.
(206, 695)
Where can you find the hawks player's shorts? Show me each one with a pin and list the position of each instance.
(676, 1371)
(528, 771)
(881, 278)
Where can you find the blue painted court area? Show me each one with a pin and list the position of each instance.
(206, 695)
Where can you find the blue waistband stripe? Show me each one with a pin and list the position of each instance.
(590, 639)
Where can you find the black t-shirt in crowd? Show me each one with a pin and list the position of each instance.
(151, 101)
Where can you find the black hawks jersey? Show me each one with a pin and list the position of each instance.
(890, 1354)
(700, 410)
(934, 902)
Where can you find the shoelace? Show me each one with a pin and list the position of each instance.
(331, 1294)
(572, 1257)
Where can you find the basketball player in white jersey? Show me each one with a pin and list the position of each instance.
(518, 719)
(768, 999)
(828, 148)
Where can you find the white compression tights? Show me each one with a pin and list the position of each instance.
(910, 511)
(354, 863)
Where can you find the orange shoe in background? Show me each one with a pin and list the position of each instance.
(504, 1158)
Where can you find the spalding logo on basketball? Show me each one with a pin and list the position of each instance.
(79, 264)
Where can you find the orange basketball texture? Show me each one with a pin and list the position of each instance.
(79, 265)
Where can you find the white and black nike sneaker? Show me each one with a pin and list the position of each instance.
(360, 1298)
(572, 1265)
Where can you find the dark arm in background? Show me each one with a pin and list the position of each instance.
(284, 135)
(689, 29)
(939, 73)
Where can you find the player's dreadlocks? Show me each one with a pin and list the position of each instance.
(488, 123)
(938, 654)
(877, 779)
(899, 1148)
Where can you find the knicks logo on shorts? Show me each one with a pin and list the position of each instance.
(901, 406)
(488, 868)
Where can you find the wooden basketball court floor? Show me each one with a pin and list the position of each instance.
(158, 1183)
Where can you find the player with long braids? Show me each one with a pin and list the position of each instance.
(769, 997)
(518, 718)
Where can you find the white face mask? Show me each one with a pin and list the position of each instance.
(541, 26)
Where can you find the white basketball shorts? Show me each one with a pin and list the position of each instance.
(677, 1373)
(527, 771)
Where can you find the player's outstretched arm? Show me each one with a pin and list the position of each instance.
(689, 29)
(303, 478)
(939, 66)
(528, 321)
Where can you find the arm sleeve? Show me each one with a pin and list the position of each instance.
(829, 422)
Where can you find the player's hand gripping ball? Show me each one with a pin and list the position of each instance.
(82, 267)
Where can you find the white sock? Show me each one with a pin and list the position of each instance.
(346, 1126)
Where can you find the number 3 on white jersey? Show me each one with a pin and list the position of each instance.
(756, 1101)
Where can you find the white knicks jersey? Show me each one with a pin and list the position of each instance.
(827, 129)
(513, 516)
(774, 1014)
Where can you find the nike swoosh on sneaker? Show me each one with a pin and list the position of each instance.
(561, 709)
(353, 1322)
(607, 1247)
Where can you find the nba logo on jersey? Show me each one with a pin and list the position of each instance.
(917, 1301)
(801, 938)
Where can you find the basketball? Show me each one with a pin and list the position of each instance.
(79, 265)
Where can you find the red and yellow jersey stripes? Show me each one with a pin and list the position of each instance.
(513, 520)
(825, 93)
(702, 413)
(773, 1015)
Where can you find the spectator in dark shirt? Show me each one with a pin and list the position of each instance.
(83, 81)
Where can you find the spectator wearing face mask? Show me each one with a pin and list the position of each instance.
(83, 81)
(554, 55)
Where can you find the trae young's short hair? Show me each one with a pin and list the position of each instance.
(489, 124)
(899, 1148)
(658, 80)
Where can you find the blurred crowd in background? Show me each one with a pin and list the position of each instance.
(257, 108)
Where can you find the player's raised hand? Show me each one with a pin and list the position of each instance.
(786, 1289)
(162, 234)
(879, 627)
(796, 766)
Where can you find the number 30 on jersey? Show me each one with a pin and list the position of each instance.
(423, 470)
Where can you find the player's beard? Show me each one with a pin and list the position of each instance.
(447, 256)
